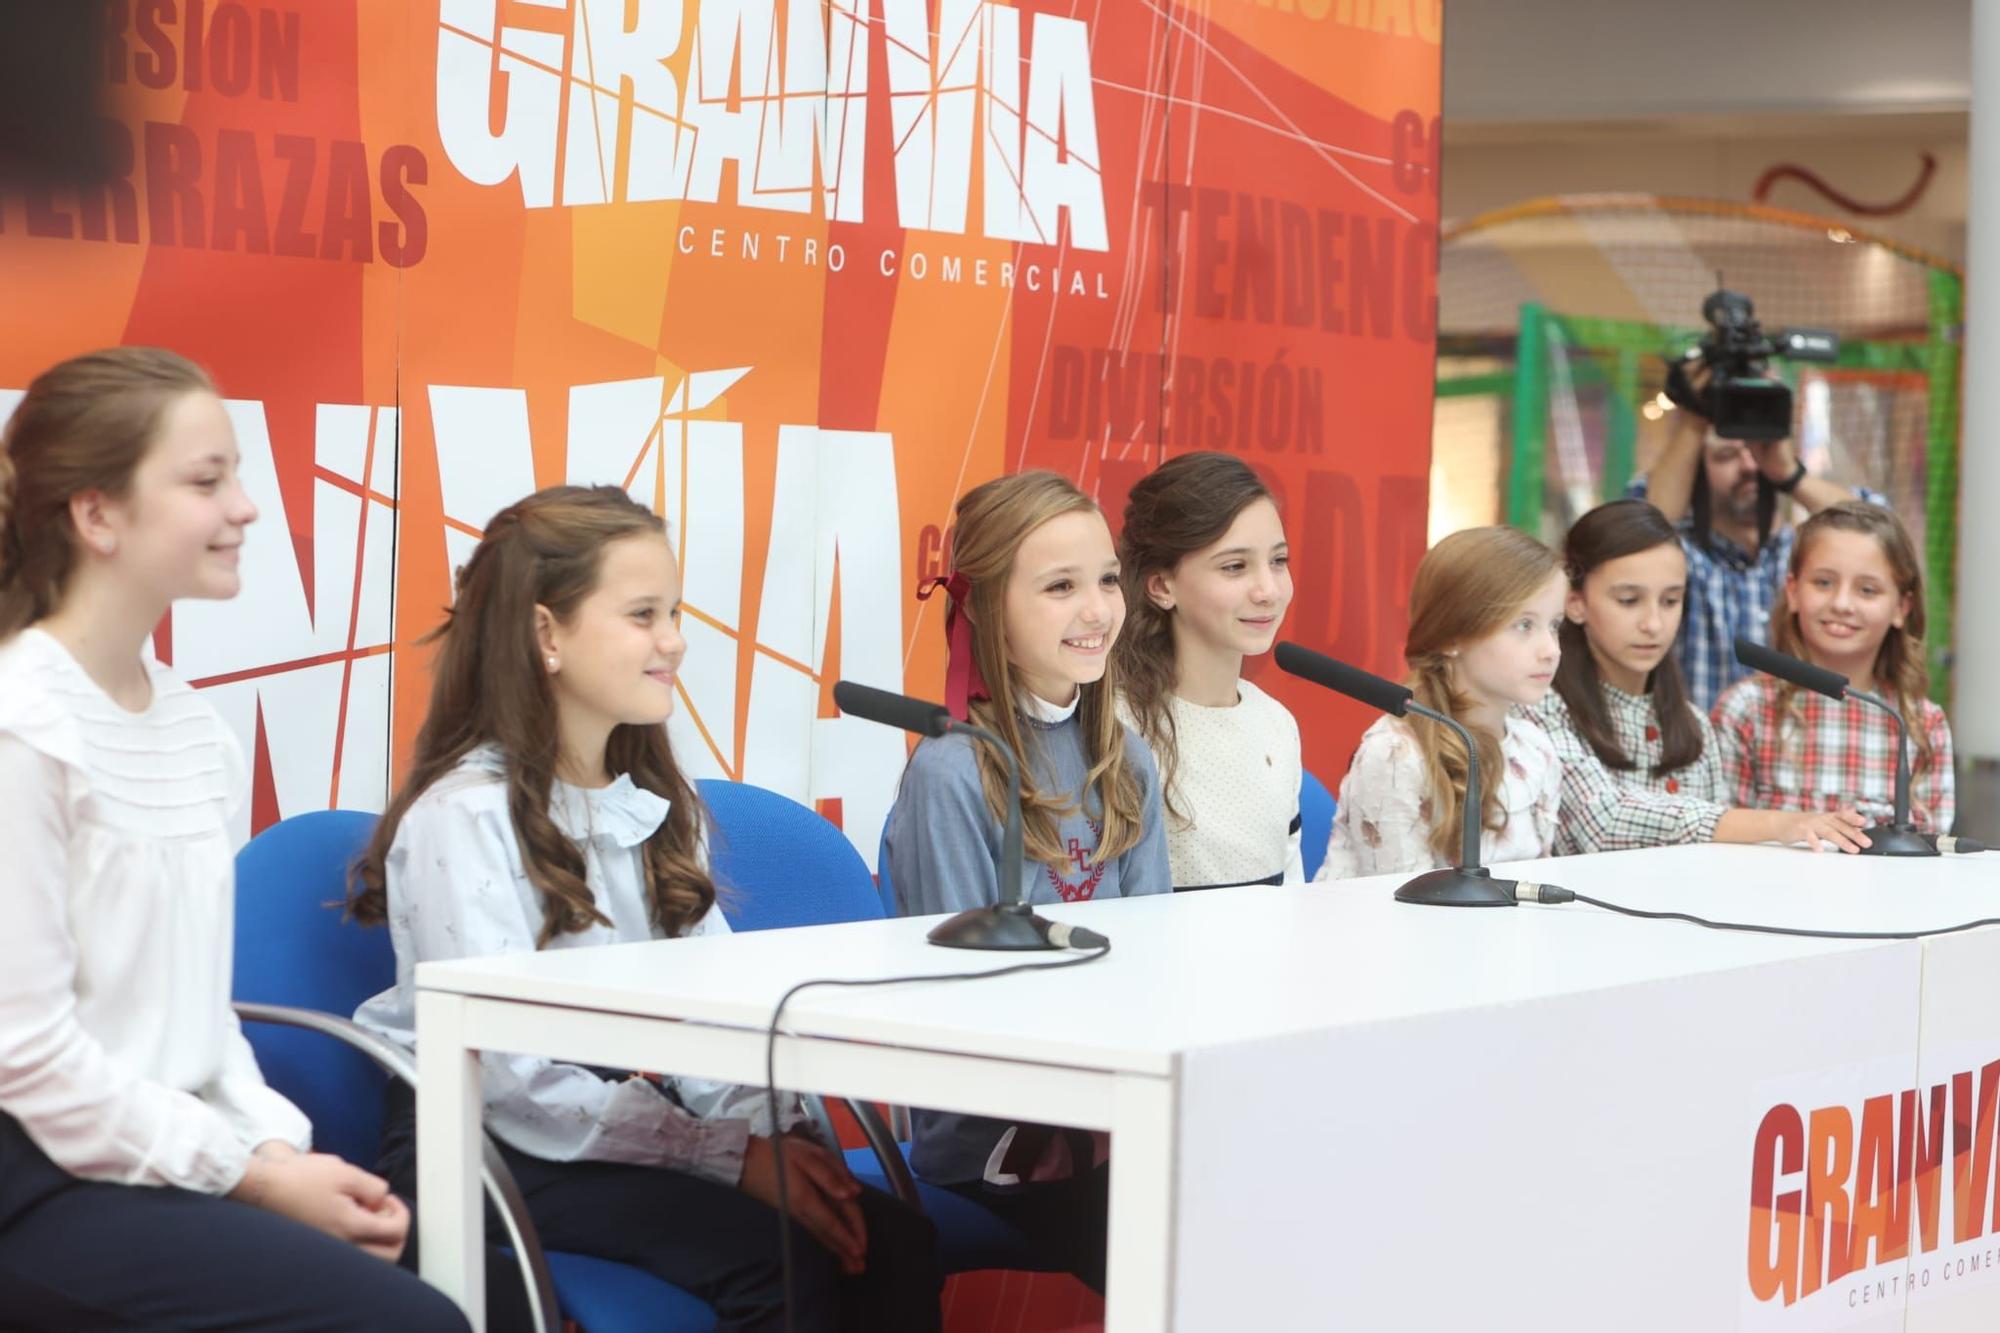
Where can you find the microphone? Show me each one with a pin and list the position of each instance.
(1468, 884)
(1898, 837)
(1011, 924)
(1950, 846)
(891, 710)
(1332, 674)
(1804, 674)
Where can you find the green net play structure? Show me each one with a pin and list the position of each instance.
(1555, 316)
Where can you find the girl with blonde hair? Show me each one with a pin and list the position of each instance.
(1485, 610)
(1035, 607)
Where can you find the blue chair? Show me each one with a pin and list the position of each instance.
(300, 969)
(780, 864)
(776, 863)
(1316, 807)
(882, 885)
(760, 838)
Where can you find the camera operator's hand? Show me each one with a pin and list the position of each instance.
(1687, 385)
(1670, 479)
(1776, 459)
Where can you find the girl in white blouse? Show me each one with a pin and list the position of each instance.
(1485, 609)
(1208, 576)
(544, 809)
(148, 1177)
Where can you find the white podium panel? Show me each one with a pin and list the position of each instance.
(1953, 1269)
(1329, 1110)
(1583, 1161)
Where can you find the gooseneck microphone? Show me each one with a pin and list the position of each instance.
(1012, 924)
(1898, 837)
(1468, 884)
(1799, 672)
(892, 710)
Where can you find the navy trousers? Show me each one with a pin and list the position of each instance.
(80, 1256)
(709, 1239)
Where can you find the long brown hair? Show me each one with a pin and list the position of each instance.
(1180, 507)
(488, 687)
(84, 425)
(1611, 532)
(1899, 662)
(1467, 586)
(993, 521)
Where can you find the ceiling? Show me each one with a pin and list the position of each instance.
(1589, 62)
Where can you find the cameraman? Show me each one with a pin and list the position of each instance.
(1723, 495)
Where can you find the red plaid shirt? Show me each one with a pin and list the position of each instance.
(1826, 755)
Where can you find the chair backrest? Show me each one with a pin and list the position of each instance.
(883, 888)
(294, 948)
(780, 863)
(1316, 806)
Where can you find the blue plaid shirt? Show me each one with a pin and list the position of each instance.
(1730, 593)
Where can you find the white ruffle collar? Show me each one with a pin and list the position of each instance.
(623, 814)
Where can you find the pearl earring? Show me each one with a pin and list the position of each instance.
(552, 664)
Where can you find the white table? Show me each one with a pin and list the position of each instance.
(1327, 1109)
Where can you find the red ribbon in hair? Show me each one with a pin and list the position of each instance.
(962, 681)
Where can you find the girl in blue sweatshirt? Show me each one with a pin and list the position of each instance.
(1034, 608)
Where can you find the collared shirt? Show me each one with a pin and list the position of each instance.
(1729, 595)
(457, 888)
(942, 843)
(1606, 809)
(119, 1053)
(1826, 754)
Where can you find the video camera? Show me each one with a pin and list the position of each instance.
(1741, 399)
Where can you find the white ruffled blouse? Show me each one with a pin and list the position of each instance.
(457, 888)
(1384, 821)
(119, 1054)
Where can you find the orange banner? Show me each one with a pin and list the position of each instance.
(795, 272)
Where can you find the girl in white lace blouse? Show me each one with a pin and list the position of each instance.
(1484, 612)
(148, 1176)
(544, 809)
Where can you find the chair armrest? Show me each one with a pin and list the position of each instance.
(895, 1170)
(496, 1178)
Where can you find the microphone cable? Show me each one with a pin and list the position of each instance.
(1549, 893)
(1072, 937)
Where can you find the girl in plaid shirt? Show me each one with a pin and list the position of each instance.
(1854, 603)
(1640, 765)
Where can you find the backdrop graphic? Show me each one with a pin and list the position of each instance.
(795, 272)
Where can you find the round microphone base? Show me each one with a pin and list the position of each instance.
(1457, 888)
(1014, 929)
(1898, 840)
